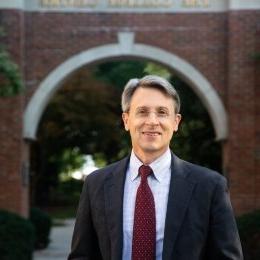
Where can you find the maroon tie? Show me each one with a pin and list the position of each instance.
(144, 231)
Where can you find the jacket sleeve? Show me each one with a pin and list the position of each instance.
(223, 238)
(84, 244)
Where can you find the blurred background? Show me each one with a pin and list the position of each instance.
(63, 66)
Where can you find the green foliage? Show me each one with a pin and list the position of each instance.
(249, 224)
(69, 160)
(10, 77)
(61, 213)
(42, 224)
(66, 193)
(16, 237)
(85, 118)
(117, 74)
(255, 56)
(249, 230)
(155, 69)
(2, 32)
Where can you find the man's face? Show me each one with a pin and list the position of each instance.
(151, 121)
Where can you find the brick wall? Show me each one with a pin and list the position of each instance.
(241, 103)
(198, 38)
(217, 44)
(13, 194)
(257, 116)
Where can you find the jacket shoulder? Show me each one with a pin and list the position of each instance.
(199, 173)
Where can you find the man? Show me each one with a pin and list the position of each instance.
(153, 205)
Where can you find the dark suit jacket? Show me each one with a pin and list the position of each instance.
(199, 221)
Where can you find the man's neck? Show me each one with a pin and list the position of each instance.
(148, 158)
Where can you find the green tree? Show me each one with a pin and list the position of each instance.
(10, 76)
(84, 114)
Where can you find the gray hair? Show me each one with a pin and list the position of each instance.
(149, 81)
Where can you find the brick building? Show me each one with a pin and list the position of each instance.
(212, 45)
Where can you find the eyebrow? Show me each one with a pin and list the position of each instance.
(157, 108)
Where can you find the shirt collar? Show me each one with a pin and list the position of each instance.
(160, 166)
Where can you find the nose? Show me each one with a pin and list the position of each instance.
(152, 119)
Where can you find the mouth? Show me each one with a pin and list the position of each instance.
(151, 133)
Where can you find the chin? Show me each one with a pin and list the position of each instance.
(151, 149)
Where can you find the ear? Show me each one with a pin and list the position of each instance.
(177, 121)
(125, 117)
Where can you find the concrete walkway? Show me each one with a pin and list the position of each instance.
(59, 246)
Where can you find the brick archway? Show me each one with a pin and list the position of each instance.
(213, 47)
(126, 48)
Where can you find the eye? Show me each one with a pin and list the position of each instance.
(142, 112)
(162, 113)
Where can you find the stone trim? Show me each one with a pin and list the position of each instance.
(12, 4)
(244, 4)
(136, 6)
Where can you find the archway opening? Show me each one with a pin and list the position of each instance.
(84, 118)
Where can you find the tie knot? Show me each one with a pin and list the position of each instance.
(145, 171)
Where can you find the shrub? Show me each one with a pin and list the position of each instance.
(67, 193)
(16, 236)
(42, 225)
(249, 230)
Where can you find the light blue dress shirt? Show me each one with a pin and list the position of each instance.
(159, 183)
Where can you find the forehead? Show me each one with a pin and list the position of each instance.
(151, 97)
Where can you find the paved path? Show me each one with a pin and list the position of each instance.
(59, 246)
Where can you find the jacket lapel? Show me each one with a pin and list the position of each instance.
(179, 196)
(114, 192)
